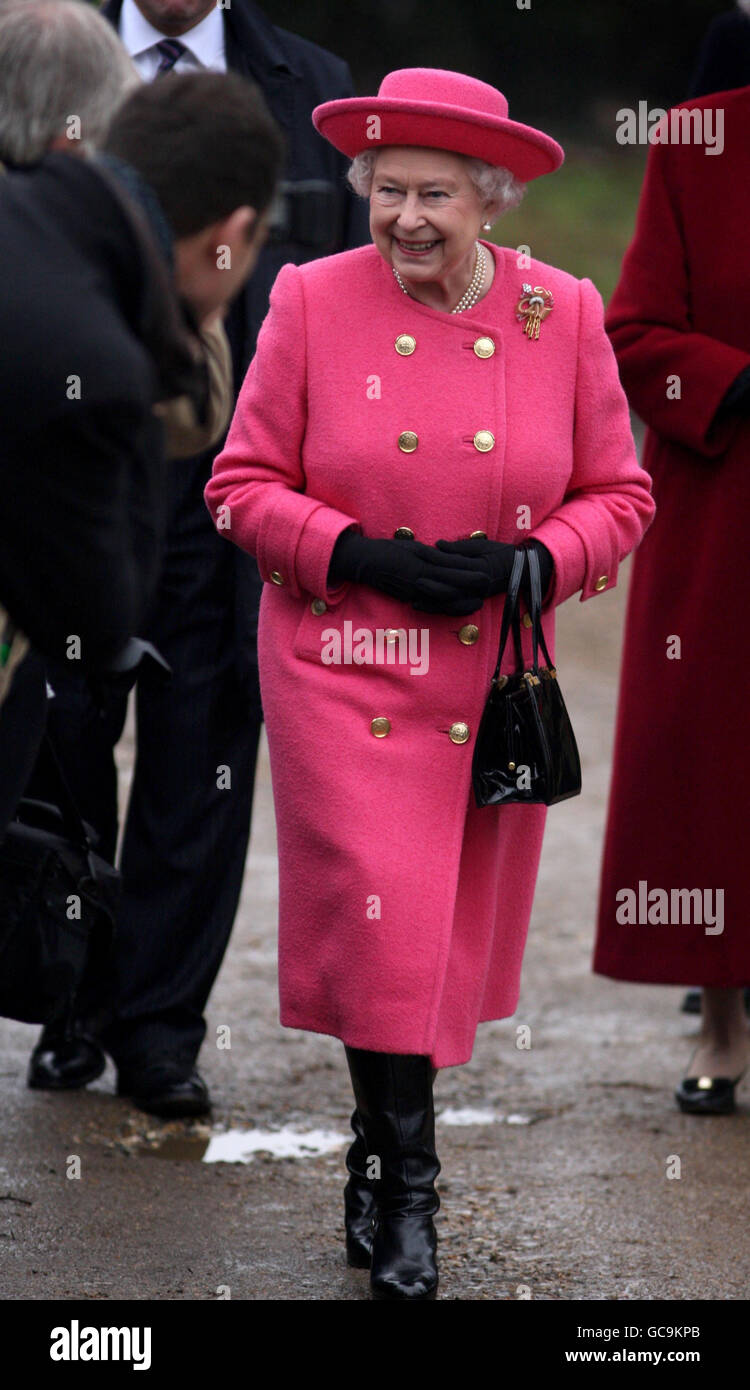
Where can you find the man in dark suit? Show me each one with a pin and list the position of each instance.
(114, 275)
(188, 822)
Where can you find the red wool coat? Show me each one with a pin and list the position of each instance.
(403, 909)
(678, 815)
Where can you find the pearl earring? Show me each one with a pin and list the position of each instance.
(487, 226)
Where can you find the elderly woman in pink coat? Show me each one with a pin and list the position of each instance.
(409, 419)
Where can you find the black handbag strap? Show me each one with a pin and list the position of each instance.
(72, 819)
(535, 608)
(526, 562)
(510, 607)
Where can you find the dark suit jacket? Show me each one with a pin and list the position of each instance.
(294, 76)
(724, 58)
(81, 467)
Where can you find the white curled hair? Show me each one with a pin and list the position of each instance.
(492, 182)
(58, 59)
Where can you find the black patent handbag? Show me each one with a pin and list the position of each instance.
(525, 749)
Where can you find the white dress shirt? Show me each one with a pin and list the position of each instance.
(204, 43)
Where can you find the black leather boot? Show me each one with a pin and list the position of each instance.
(394, 1101)
(65, 1058)
(359, 1201)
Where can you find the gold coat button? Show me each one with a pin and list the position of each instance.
(276, 578)
(484, 440)
(601, 582)
(405, 344)
(468, 634)
(380, 727)
(403, 533)
(408, 441)
(478, 536)
(484, 347)
(526, 620)
(459, 732)
(319, 606)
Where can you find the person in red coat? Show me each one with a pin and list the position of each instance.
(397, 438)
(676, 867)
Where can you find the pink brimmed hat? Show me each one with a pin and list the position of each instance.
(438, 110)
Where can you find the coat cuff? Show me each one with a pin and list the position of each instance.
(295, 545)
(575, 565)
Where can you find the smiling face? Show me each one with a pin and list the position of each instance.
(425, 213)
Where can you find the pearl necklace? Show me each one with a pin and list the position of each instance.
(471, 295)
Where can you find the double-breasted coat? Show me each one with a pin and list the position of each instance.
(403, 909)
(680, 324)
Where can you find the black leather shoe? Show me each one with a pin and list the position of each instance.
(64, 1060)
(394, 1101)
(707, 1095)
(359, 1201)
(171, 1091)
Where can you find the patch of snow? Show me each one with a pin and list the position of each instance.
(240, 1146)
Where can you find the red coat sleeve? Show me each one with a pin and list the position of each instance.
(649, 323)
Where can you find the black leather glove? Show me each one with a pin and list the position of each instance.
(737, 399)
(409, 571)
(495, 559)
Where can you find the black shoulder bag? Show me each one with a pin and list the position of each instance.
(58, 901)
(525, 748)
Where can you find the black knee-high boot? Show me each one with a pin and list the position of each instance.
(394, 1101)
(359, 1201)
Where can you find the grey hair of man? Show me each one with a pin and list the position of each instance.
(493, 183)
(63, 74)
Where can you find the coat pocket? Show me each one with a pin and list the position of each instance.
(309, 639)
(365, 630)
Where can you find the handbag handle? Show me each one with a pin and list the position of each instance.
(535, 608)
(510, 605)
(71, 816)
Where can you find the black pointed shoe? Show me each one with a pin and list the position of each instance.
(359, 1201)
(64, 1059)
(707, 1095)
(172, 1090)
(394, 1101)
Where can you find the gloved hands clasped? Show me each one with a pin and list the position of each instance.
(453, 577)
(496, 560)
(409, 571)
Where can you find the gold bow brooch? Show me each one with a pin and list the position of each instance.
(533, 306)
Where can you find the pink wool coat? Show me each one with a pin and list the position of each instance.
(403, 909)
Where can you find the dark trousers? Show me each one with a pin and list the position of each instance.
(188, 821)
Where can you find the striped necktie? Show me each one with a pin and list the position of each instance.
(170, 50)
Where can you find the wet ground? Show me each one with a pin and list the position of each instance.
(556, 1158)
